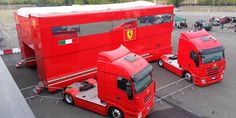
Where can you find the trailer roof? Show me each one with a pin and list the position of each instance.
(25, 12)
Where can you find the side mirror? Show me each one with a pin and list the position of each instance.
(129, 91)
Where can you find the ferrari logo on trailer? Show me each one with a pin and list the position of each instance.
(34, 23)
(130, 34)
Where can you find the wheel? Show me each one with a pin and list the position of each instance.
(160, 63)
(116, 113)
(188, 77)
(69, 99)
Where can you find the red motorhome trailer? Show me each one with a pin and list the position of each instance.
(64, 42)
(123, 86)
(200, 58)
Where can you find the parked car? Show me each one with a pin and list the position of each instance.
(215, 21)
(202, 23)
(225, 19)
(180, 22)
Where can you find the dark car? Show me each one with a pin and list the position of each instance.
(225, 19)
(202, 23)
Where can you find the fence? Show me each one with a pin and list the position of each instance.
(210, 2)
(2, 39)
(170, 90)
(30, 93)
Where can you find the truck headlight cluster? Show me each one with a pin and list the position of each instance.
(203, 81)
(221, 76)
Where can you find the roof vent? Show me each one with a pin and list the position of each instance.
(205, 38)
(131, 58)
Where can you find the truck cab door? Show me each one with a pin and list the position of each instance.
(124, 95)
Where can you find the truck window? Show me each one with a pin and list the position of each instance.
(194, 57)
(69, 31)
(155, 19)
(95, 28)
(139, 86)
(124, 23)
(212, 55)
(121, 83)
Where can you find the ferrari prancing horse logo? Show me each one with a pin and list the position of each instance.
(130, 34)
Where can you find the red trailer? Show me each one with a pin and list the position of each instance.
(64, 42)
(123, 87)
(200, 58)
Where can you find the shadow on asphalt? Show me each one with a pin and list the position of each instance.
(171, 113)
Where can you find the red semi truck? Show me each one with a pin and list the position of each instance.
(200, 58)
(64, 41)
(123, 86)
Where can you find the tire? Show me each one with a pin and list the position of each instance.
(116, 113)
(69, 99)
(188, 77)
(160, 63)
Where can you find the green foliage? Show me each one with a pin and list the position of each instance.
(174, 2)
(218, 2)
(60, 2)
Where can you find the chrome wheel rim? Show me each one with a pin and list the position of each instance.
(69, 99)
(187, 76)
(116, 113)
(160, 62)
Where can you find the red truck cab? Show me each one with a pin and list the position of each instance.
(123, 87)
(200, 58)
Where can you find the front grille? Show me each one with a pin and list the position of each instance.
(213, 72)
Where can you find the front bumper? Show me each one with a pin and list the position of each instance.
(143, 113)
(205, 80)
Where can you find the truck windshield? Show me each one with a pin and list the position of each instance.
(142, 84)
(212, 57)
(142, 79)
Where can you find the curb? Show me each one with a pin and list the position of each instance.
(10, 51)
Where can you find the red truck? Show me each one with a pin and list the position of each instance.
(123, 86)
(64, 42)
(200, 58)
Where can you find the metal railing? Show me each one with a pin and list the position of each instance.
(30, 94)
(2, 39)
(173, 88)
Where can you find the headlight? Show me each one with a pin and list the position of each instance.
(140, 115)
(222, 75)
(203, 81)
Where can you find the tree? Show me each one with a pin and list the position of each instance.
(175, 2)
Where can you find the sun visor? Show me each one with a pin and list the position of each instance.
(147, 70)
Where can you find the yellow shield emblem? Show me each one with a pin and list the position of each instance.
(33, 23)
(130, 34)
